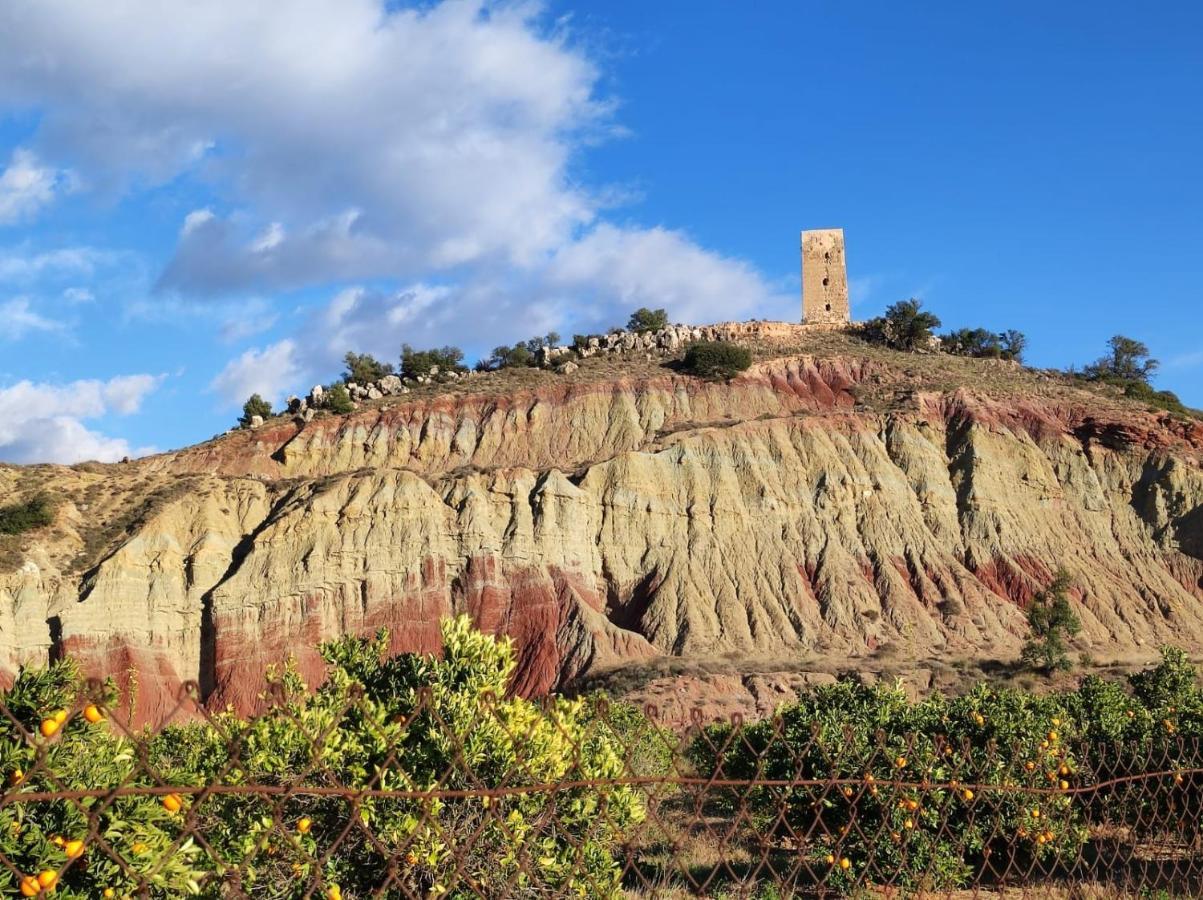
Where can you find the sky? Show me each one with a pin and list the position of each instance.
(203, 200)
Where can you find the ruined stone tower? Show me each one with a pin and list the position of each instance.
(824, 278)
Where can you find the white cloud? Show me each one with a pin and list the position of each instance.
(17, 319)
(270, 372)
(26, 186)
(19, 265)
(41, 422)
(78, 295)
(417, 137)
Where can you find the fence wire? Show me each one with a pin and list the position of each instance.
(573, 799)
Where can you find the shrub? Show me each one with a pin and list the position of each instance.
(506, 357)
(1051, 619)
(716, 359)
(644, 319)
(420, 362)
(905, 326)
(980, 343)
(255, 406)
(364, 369)
(16, 518)
(337, 400)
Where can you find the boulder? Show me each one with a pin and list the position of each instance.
(316, 395)
(567, 368)
(256, 421)
(390, 384)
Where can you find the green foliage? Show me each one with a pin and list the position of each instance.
(905, 326)
(716, 359)
(36, 512)
(363, 368)
(1051, 619)
(521, 354)
(1127, 360)
(401, 723)
(644, 319)
(980, 343)
(420, 362)
(880, 744)
(337, 400)
(254, 406)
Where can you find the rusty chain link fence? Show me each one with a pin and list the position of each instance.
(434, 795)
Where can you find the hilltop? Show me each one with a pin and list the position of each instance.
(838, 501)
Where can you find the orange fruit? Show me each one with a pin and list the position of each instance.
(1064, 785)
(847, 791)
(93, 714)
(979, 719)
(1064, 770)
(335, 893)
(900, 762)
(109, 892)
(1030, 766)
(58, 840)
(49, 728)
(30, 886)
(1035, 814)
(909, 823)
(1052, 736)
(845, 864)
(60, 716)
(48, 878)
(411, 858)
(15, 776)
(140, 847)
(830, 860)
(172, 803)
(303, 825)
(73, 849)
(967, 794)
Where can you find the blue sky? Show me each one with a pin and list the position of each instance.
(201, 200)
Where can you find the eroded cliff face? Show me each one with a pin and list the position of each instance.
(606, 522)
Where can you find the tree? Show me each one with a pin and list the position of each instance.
(1051, 619)
(716, 359)
(420, 362)
(1128, 360)
(338, 400)
(506, 357)
(905, 326)
(362, 368)
(980, 343)
(644, 319)
(255, 406)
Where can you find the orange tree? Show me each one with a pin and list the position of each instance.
(870, 786)
(452, 776)
(54, 739)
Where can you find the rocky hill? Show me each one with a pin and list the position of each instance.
(837, 500)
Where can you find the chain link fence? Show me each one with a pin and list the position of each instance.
(442, 792)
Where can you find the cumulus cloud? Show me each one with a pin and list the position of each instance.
(26, 186)
(41, 422)
(269, 372)
(416, 137)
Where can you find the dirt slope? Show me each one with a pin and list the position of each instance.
(833, 500)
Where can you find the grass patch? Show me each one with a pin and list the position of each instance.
(18, 518)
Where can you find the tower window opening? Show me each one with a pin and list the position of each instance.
(826, 281)
(829, 307)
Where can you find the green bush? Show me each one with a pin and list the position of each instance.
(644, 319)
(16, 518)
(1052, 620)
(362, 368)
(420, 362)
(983, 344)
(716, 359)
(401, 723)
(878, 743)
(337, 400)
(254, 406)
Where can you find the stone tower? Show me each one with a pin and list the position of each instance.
(824, 278)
